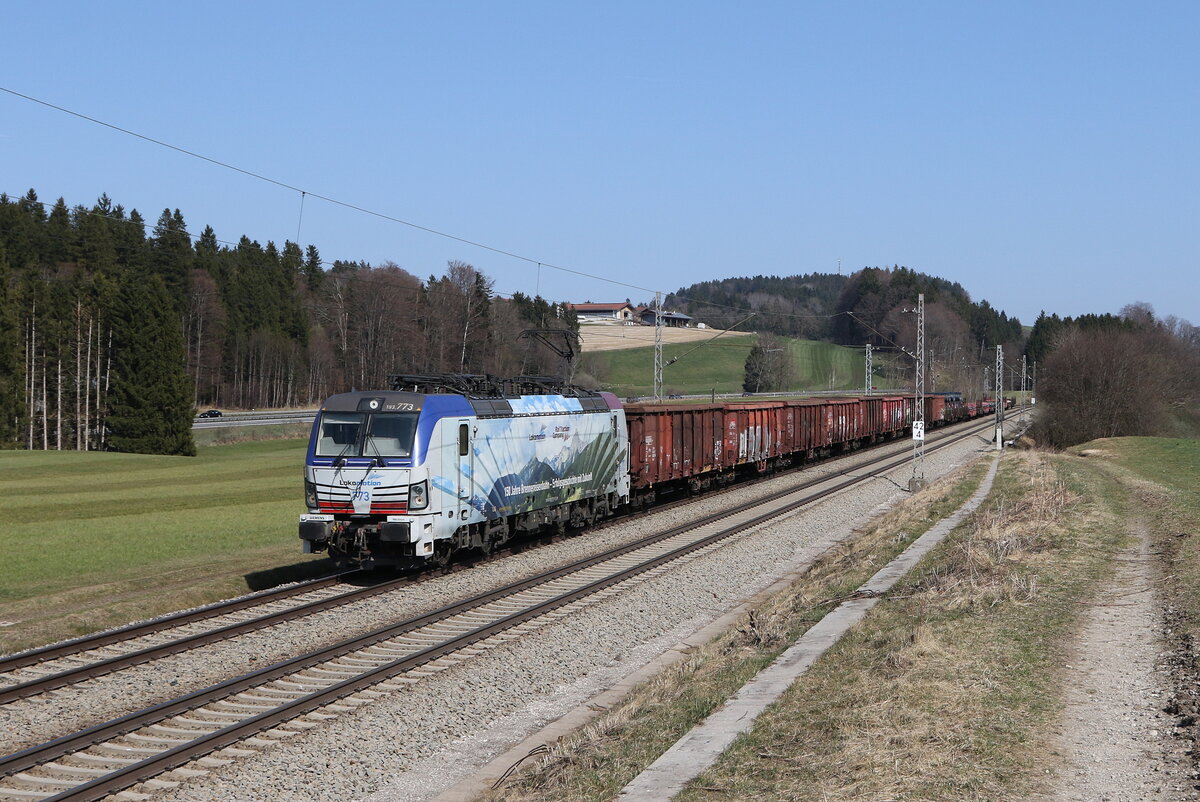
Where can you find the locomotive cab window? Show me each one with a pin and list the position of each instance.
(353, 434)
(462, 440)
(390, 435)
(338, 434)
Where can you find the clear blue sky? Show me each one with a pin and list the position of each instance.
(1042, 154)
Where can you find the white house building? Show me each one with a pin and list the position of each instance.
(619, 312)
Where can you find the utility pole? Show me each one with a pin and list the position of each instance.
(870, 371)
(999, 397)
(1023, 398)
(917, 481)
(1033, 392)
(658, 360)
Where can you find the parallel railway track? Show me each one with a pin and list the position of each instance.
(132, 631)
(74, 661)
(282, 700)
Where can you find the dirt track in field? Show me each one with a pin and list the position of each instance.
(613, 337)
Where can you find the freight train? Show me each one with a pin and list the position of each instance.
(440, 465)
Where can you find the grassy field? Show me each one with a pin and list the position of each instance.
(97, 539)
(825, 366)
(720, 367)
(1168, 474)
(951, 687)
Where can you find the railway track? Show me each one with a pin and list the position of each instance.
(193, 733)
(57, 666)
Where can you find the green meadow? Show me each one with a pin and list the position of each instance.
(824, 366)
(720, 365)
(97, 539)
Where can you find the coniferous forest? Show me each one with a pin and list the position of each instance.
(113, 331)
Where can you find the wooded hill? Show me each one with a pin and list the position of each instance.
(866, 307)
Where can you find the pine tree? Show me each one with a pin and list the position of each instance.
(12, 368)
(313, 272)
(150, 403)
(60, 235)
(171, 255)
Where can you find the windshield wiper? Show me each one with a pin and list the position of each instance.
(340, 459)
(378, 458)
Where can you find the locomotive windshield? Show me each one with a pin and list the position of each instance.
(357, 434)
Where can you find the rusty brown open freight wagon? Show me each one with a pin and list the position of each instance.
(706, 443)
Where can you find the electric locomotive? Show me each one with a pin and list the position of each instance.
(442, 464)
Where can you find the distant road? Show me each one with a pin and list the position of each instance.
(255, 419)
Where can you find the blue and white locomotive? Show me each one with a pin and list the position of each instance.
(401, 478)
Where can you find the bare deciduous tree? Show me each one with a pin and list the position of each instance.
(1117, 382)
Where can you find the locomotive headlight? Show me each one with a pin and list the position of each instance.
(418, 496)
(310, 494)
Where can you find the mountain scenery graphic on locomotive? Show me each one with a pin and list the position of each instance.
(539, 457)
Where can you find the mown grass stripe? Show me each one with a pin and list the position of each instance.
(90, 536)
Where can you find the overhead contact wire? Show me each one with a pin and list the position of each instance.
(381, 215)
(326, 198)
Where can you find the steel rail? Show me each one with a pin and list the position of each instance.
(237, 628)
(131, 631)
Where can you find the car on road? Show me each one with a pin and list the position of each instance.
(212, 413)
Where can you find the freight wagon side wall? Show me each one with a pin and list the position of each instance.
(757, 429)
(895, 414)
(858, 414)
(814, 425)
(673, 442)
(874, 416)
(935, 409)
(842, 420)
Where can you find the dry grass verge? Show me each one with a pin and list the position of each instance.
(227, 435)
(943, 691)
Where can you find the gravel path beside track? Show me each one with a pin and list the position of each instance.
(1114, 737)
(411, 745)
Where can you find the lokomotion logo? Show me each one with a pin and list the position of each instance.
(372, 480)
